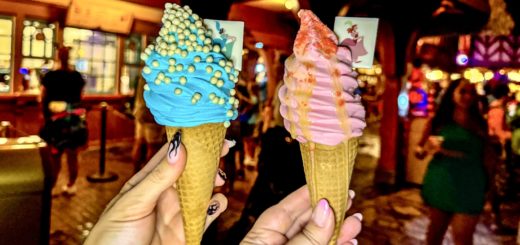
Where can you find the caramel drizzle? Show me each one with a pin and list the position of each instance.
(340, 103)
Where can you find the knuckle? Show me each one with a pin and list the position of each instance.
(310, 236)
(157, 176)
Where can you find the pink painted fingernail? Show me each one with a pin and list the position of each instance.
(354, 241)
(321, 213)
(351, 194)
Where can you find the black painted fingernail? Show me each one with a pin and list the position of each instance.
(222, 174)
(212, 209)
(173, 148)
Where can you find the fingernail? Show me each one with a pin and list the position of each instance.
(351, 194)
(222, 174)
(231, 143)
(354, 241)
(358, 216)
(213, 207)
(321, 213)
(173, 148)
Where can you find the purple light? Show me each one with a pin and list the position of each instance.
(462, 59)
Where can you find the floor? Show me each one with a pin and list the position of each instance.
(396, 218)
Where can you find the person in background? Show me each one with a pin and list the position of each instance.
(149, 136)
(498, 129)
(248, 96)
(279, 158)
(455, 183)
(62, 88)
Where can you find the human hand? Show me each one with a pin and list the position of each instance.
(293, 221)
(433, 145)
(147, 209)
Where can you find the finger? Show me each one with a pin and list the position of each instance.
(141, 199)
(299, 223)
(221, 178)
(351, 228)
(320, 227)
(217, 206)
(134, 180)
(226, 146)
(273, 225)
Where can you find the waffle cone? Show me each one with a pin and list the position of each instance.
(195, 186)
(328, 170)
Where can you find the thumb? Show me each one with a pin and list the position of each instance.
(143, 197)
(320, 227)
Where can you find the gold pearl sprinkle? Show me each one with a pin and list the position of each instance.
(215, 100)
(213, 80)
(227, 124)
(201, 37)
(195, 16)
(220, 83)
(197, 96)
(157, 81)
(218, 74)
(231, 100)
(182, 25)
(205, 49)
(196, 59)
(160, 75)
(191, 68)
(163, 45)
(179, 67)
(171, 52)
(176, 22)
(198, 23)
(178, 51)
(207, 41)
(222, 63)
(186, 32)
(147, 70)
(184, 53)
(167, 80)
(209, 59)
(198, 48)
(209, 69)
(171, 69)
(211, 96)
(221, 101)
(192, 27)
(200, 32)
(163, 52)
(232, 92)
(173, 46)
(155, 63)
(216, 48)
(194, 101)
(181, 36)
(183, 80)
(229, 113)
(228, 69)
(178, 91)
(193, 37)
(187, 42)
(229, 63)
(146, 87)
(190, 48)
(231, 77)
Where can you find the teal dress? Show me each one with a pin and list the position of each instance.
(457, 185)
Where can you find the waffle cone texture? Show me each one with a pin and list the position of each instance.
(328, 170)
(195, 186)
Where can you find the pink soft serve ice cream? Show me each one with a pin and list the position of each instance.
(319, 99)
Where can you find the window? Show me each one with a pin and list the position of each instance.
(94, 54)
(130, 72)
(6, 37)
(37, 51)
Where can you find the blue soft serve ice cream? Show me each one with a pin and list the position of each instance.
(189, 81)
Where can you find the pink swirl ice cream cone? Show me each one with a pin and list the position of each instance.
(322, 110)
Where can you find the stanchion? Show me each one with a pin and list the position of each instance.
(101, 175)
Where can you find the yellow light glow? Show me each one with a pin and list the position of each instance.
(502, 72)
(513, 76)
(474, 75)
(488, 75)
(455, 76)
(291, 4)
(434, 75)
